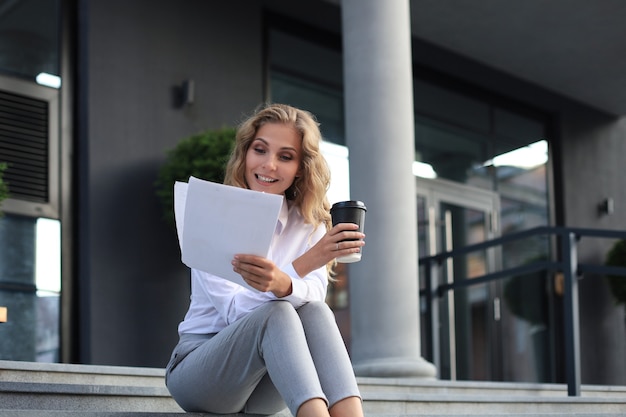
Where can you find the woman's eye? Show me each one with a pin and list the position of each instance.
(259, 150)
(286, 157)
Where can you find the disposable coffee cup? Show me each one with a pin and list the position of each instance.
(352, 211)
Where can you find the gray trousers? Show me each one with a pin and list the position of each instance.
(274, 355)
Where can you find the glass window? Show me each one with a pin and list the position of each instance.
(450, 151)
(29, 38)
(510, 157)
(515, 128)
(30, 285)
(325, 103)
(291, 54)
(438, 103)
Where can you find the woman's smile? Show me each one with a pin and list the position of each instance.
(265, 179)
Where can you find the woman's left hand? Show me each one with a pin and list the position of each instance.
(343, 239)
(262, 274)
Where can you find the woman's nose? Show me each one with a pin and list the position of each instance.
(270, 163)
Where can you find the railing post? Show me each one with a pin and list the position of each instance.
(570, 313)
(432, 304)
(427, 305)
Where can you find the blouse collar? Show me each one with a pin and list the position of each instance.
(283, 215)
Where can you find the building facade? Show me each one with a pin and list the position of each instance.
(446, 149)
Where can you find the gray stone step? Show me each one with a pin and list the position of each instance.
(421, 386)
(442, 404)
(39, 413)
(31, 389)
(80, 374)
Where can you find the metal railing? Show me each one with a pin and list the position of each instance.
(568, 265)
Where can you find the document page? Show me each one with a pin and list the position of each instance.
(215, 221)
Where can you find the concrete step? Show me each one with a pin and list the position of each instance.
(39, 413)
(80, 374)
(33, 389)
(422, 386)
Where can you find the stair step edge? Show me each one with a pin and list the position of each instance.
(81, 389)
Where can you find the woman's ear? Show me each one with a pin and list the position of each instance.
(299, 172)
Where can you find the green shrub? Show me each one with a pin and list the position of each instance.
(617, 283)
(203, 155)
(526, 295)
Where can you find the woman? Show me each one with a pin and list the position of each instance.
(242, 350)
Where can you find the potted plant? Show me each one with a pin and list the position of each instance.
(4, 189)
(203, 155)
(616, 257)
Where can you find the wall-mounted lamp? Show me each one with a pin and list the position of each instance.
(189, 92)
(185, 93)
(3, 314)
(606, 207)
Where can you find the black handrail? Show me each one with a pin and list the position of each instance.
(568, 238)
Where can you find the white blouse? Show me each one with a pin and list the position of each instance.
(217, 302)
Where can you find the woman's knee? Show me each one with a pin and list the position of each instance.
(279, 308)
(281, 312)
(312, 314)
(317, 310)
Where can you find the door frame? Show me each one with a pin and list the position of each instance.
(438, 191)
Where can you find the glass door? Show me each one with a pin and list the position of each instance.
(452, 215)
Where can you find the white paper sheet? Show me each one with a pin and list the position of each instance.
(215, 221)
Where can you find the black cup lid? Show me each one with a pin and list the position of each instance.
(350, 204)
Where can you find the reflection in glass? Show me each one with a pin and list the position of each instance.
(30, 288)
(49, 80)
(337, 158)
(421, 169)
(526, 157)
(48, 281)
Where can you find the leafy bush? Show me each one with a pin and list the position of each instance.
(526, 295)
(617, 283)
(203, 155)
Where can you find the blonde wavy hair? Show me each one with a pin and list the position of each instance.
(308, 191)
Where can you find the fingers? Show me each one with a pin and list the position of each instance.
(347, 239)
(250, 273)
(347, 246)
(345, 231)
(343, 239)
(248, 266)
(251, 259)
(339, 227)
(254, 269)
(262, 274)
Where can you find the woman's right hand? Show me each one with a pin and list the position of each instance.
(343, 239)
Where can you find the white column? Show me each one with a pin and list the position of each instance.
(384, 288)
